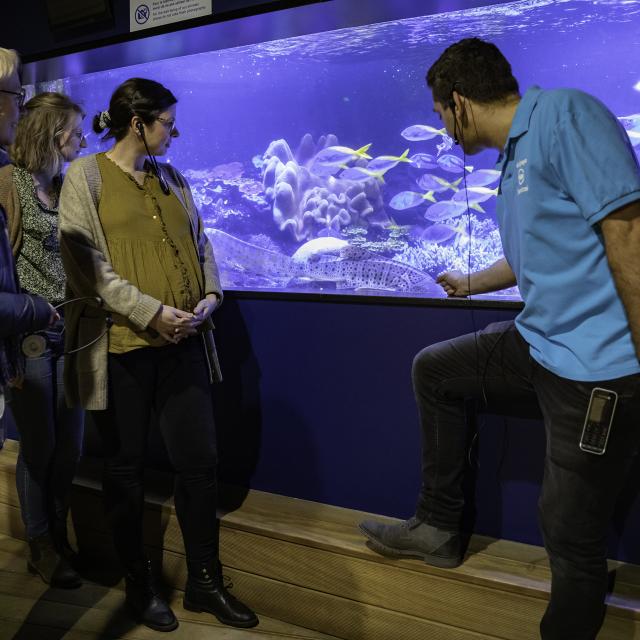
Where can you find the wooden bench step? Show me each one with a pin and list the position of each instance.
(307, 564)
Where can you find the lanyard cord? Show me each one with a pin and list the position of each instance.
(34, 345)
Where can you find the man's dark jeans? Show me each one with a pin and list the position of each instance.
(579, 489)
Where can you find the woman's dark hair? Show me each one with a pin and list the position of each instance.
(473, 68)
(140, 97)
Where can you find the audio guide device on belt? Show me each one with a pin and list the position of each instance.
(35, 344)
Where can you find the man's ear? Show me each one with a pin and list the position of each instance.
(459, 102)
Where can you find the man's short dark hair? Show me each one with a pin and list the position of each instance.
(475, 69)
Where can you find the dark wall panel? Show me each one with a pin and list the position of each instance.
(317, 404)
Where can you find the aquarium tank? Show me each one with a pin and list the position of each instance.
(318, 164)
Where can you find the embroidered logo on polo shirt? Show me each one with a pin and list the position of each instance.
(522, 176)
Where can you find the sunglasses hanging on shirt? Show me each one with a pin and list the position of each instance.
(154, 164)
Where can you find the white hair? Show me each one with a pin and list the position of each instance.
(9, 63)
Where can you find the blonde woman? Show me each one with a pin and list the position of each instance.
(48, 135)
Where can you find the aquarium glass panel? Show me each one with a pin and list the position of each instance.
(318, 164)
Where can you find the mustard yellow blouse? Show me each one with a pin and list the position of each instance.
(151, 245)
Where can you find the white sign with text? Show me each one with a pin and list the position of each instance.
(145, 14)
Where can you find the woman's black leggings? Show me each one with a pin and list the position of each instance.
(172, 384)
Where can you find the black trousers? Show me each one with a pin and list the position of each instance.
(173, 381)
(579, 489)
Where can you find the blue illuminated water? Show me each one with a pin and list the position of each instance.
(255, 119)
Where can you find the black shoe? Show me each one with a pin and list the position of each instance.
(143, 600)
(54, 569)
(206, 591)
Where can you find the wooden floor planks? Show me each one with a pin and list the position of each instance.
(31, 610)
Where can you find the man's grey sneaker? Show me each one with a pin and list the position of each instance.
(414, 538)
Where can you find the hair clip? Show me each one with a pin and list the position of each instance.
(104, 120)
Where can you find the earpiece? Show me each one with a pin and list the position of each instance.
(452, 105)
(166, 189)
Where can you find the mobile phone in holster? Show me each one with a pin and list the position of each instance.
(598, 421)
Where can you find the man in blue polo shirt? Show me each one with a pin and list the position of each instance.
(569, 216)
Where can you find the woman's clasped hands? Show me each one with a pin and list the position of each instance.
(175, 325)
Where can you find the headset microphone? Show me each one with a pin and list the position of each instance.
(458, 136)
(154, 163)
(452, 106)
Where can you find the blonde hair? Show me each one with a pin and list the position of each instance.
(43, 122)
(9, 63)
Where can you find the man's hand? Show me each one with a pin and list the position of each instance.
(205, 308)
(173, 324)
(495, 277)
(455, 283)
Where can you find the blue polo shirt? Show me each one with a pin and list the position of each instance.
(566, 165)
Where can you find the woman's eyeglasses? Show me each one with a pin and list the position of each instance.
(169, 124)
(19, 96)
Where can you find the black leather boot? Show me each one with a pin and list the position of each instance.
(206, 591)
(144, 601)
(54, 569)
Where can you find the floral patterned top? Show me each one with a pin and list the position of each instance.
(39, 263)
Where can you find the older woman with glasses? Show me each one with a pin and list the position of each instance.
(9, 114)
(19, 312)
(131, 234)
(11, 100)
(18, 96)
(48, 135)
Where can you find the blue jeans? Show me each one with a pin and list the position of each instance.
(3, 429)
(50, 443)
(579, 490)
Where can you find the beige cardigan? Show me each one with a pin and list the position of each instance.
(86, 260)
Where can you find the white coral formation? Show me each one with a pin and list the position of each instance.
(435, 258)
(308, 204)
